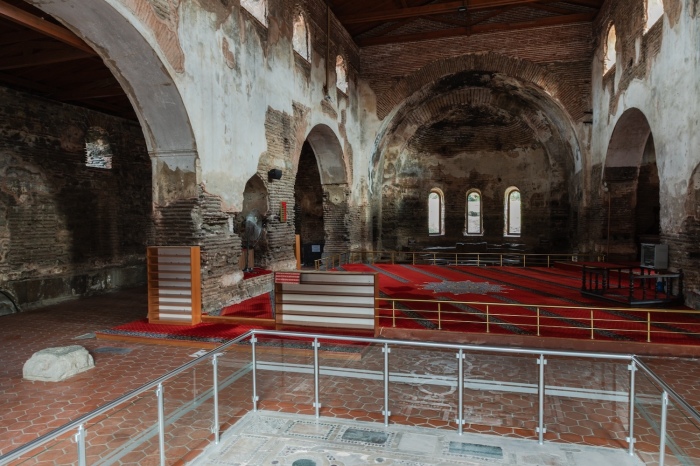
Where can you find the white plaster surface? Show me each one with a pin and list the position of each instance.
(57, 364)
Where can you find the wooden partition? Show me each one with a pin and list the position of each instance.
(174, 285)
(339, 300)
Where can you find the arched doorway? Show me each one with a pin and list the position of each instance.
(631, 185)
(88, 218)
(321, 196)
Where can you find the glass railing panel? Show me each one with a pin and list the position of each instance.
(682, 437)
(285, 376)
(127, 433)
(423, 386)
(587, 401)
(500, 395)
(647, 417)
(351, 380)
(61, 451)
(189, 411)
(235, 384)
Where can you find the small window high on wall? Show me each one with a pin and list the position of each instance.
(300, 40)
(257, 8)
(474, 222)
(610, 53)
(98, 151)
(655, 10)
(436, 217)
(341, 74)
(512, 212)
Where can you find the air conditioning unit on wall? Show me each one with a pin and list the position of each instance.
(654, 256)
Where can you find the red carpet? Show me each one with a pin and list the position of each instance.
(207, 333)
(259, 307)
(522, 287)
(256, 272)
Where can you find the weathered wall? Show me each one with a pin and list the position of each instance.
(66, 229)
(656, 72)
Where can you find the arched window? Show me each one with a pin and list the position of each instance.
(98, 151)
(655, 10)
(436, 210)
(300, 40)
(257, 8)
(610, 53)
(474, 218)
(512, 212)
(341, 74)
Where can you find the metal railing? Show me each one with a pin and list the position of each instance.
(536, 318)
(254, 365)
(505, 258)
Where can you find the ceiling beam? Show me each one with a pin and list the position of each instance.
(42, 58)
(433, 9)
(478, 29)
(46, 28)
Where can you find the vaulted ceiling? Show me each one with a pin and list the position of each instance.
(41, 56)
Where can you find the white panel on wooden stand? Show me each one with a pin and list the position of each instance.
(174, 285)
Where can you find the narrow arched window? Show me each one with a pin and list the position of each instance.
(341, 74)
(610, 53)
(512, 212)
(98, 151)
(436, 208)
(474, 218)
(257, 8)
(300, 40)
(655, 10)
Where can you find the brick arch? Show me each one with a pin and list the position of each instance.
(491, 62)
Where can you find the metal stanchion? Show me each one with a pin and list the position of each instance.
(161, 424)
(253, 341)
(662, 434)
(215, 389)
(460, 391)
(317, 404)
(541, 429)
(386, 411)
(80, 440)
(630, 440)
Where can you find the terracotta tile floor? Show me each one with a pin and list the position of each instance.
(500, 398)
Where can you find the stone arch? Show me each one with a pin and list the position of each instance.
(631, 184)
(150, 88)
(491, 61)
(519, 95)
(329, 155)
(323, 189)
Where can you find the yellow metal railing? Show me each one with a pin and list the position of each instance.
(536, 319)
(519, 259)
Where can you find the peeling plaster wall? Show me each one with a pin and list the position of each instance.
(657, 73)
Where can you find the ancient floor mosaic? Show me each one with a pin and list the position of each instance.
(267, 438)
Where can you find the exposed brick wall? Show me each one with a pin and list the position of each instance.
(67, 229)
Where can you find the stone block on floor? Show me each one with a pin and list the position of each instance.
(57, 364)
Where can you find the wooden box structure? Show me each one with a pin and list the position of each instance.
(174, 285)
(340, 300)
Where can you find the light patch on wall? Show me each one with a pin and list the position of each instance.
(341, 74)
(300, 40)
(98, 151)
(257, 8)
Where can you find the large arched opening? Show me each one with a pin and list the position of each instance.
(484, 129)
(631, 186)
(77, 202)
(321, 196)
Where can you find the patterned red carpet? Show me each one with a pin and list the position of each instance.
(522, 288)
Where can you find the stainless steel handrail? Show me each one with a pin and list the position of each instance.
(313, 339)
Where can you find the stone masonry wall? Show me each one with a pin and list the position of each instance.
(66, 229)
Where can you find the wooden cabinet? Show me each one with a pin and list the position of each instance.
(174, 285)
